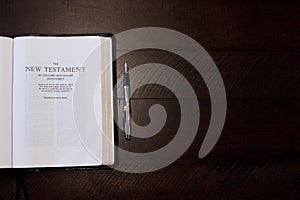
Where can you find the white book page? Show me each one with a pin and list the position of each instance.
(6, 68)
(45, 72)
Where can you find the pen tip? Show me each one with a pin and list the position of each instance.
(126, 67)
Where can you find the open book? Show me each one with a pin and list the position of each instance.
(56, 101)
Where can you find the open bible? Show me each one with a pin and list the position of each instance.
(56, 101)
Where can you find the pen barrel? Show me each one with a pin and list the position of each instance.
(127, 122)
(127, 127)
(126, 81)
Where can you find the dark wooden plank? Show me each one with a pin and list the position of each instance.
(7, 184)
(197, 180)
(245, 75)
(224, 25)
(254, 129)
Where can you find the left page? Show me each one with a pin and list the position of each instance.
(45, 73)
(6, 50)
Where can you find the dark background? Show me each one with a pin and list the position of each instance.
(255, 45)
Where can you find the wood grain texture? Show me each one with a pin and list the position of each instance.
(221, 25)
(245, 74)
(255, 45)
(255, 129)
(182, 180)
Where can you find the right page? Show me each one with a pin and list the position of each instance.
(47, 131)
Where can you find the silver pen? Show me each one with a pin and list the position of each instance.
(127, 122)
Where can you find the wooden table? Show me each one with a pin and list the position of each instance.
(255, 45)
